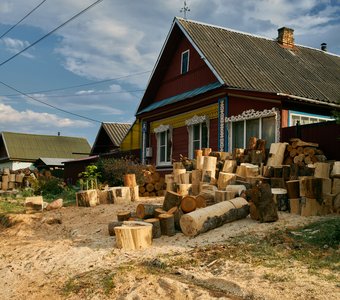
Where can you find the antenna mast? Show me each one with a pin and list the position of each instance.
(185, 9)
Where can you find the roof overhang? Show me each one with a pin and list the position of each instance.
(313, 101)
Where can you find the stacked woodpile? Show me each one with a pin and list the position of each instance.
(303, 153)
(13, 180)
(153, 183)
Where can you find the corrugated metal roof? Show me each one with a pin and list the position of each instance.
(48, 161)
(21, 146)
(181, 97)
(250, 62)
(116, 131)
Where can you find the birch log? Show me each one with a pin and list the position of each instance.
(208, 218)
(276, 154)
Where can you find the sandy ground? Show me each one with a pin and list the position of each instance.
(41, 252)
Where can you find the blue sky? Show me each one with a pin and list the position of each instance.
(104, 57)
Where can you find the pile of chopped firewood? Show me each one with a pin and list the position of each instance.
(153, 183)
(303, 153)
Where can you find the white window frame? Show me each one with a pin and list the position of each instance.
(182, 55)
(195, 120)
(160, 129)
(251, 115)
(317, 118)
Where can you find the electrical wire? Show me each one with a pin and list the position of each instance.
(16, 24)
(51, 32)
(84, 84)
(50, 105)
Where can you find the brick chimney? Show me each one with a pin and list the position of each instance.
(286, 37)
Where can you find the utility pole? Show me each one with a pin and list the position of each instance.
(185, 9)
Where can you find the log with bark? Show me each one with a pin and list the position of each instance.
(188, 204)
(146, 211)
(133, 235)
(123, 215)
(171, 199)
(87, 198)
(208, 218)
(112, 226)
(276, 154)
(156, 227)
(177, 213)
(167, 222)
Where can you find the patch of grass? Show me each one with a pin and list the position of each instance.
(88, 283)
(273, 277)
(12, 206)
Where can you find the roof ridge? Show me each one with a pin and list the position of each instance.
(44, 135)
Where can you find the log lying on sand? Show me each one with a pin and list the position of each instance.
(145, 211)
(213, 216)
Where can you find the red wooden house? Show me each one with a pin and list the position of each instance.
(215, 87)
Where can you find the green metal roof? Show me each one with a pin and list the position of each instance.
(180, 97)
(30, 147)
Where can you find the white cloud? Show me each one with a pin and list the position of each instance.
(13, 117)
(14, 46)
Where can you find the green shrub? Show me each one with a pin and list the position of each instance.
(113, 170)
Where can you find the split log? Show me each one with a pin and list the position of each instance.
(336, 186)
(256, 156)
(196, 176)
(326, 185)
(277, 183)
(188, 204)
(112, 226)
(262, 197)
(177, 213)
(293, 189)
(177, 165)
(87, 198)
(198, 153)
(236, 188)
(276, 154)
(229, 166)
(171, 199)
(299, 143)
(222, 196)
(254, 215)
(280, 199)
(322, 170)
(34, 204)
(146, 211)
(184, 189)
(209, 164)
(241, 171)
(134, 193)
(252, 143)
(225, 179)
(133, 235)
(310, 207)
(123, 215)
(156, 227)
(167, 222)
(104, 197)
(177, 173)
(120, 195)
(208, 218)
(130, 180)
(206, 151)
(336, 169)
(185, 178)
(295, 206)
(199, 162)
(56, 204)
(311, 187)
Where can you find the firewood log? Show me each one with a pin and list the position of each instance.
(208, 218)
(188, 204)
(112, 226)
(171, 199)
(167, 222)
(177, 213)
(146, 211)
(123, 215)
(130, 180)
(159, 211)
(156, 227)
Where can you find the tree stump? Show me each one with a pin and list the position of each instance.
(123, 215)
(87, 198)
(293, 189)
(177, 213)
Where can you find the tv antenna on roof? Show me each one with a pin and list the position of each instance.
(185, 9)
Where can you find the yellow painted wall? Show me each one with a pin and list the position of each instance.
(179, 120)
(133, 138)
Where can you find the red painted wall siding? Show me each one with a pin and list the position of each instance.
(213, 135)
(175, 83)
(238, 105)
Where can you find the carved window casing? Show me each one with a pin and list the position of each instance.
(198, 131)
(164, 145)
(263, 124)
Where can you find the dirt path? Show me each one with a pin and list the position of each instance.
(68, 254)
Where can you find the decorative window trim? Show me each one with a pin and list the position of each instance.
(318, 118)
(252, 114)
(161, 128)
(187, 67)
(195, 120)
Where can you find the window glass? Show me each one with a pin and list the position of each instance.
(268, 130)
(238, 134)
(204, 135)
(252, 128)
(168, 146)
(185, 62)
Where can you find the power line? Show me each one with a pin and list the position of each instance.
(51, 32)
(84, 84)
(50, 105)
(16, 24)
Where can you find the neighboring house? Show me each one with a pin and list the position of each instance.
(21, 150)
(109, 138)
(215, 87)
